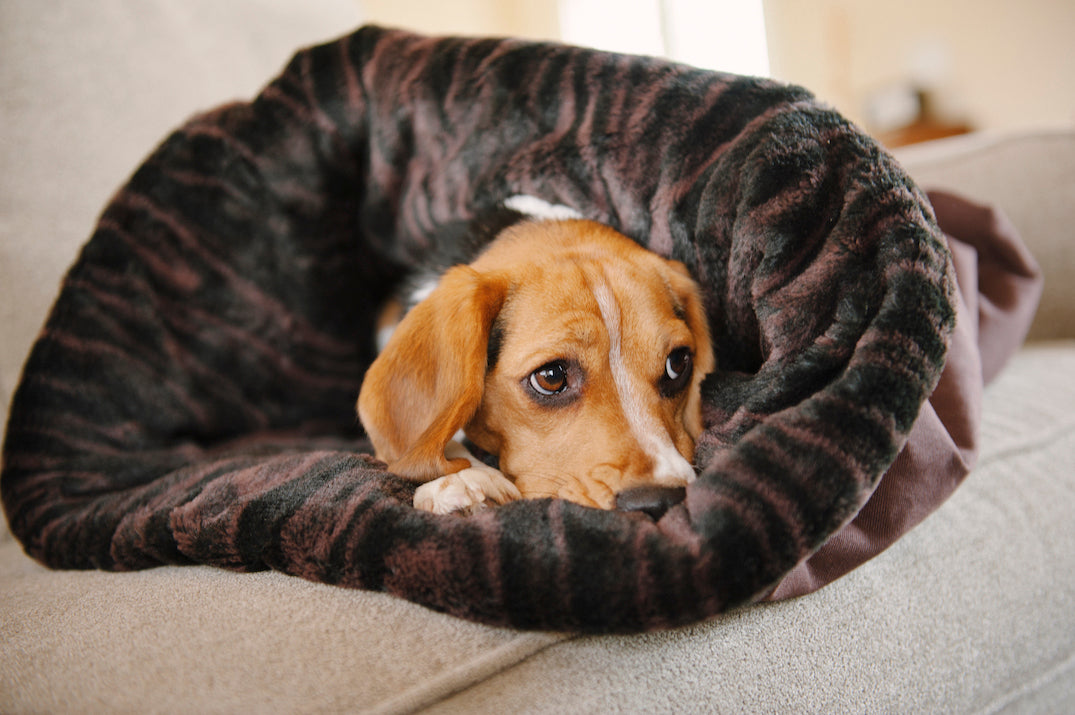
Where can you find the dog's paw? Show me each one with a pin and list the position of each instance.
(465, 492)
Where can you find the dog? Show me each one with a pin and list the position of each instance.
(564, 349)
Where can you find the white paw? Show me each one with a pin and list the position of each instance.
(465, 492)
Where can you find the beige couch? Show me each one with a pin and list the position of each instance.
(972, 611)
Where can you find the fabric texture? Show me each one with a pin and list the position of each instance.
(191, 397)
(1000, 286)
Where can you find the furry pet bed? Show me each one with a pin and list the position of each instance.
(191, 397)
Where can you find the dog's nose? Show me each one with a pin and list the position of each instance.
(653, 500)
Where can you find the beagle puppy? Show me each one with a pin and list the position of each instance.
(564, 349)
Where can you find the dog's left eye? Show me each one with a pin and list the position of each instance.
(549, 379)
(677, 371)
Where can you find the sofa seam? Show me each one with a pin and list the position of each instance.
(474, 671)
(1037, 684)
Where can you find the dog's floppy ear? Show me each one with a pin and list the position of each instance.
(428, 382)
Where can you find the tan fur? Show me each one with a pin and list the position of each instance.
(538, 281)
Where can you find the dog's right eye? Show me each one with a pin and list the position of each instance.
(678, 367)
(549, 379)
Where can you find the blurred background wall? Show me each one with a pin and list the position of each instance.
(984, 64)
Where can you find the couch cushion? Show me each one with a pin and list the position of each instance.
(199, 639)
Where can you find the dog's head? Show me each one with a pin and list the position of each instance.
(566, 349)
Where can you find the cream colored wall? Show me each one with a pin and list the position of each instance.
(534, 19)
(998, 64)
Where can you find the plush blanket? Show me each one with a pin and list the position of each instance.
(191, 397)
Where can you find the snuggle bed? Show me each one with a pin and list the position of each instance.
(191, 397)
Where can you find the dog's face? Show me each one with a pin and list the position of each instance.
(565, 349)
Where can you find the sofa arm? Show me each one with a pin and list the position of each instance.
(1031, 177)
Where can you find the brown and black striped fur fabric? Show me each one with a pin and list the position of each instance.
(191, 397)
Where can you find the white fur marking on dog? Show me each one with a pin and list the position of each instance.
(423, 290)
(669, 466)
(540, 208)
(383, 336)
